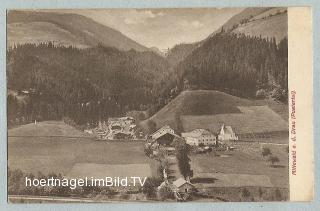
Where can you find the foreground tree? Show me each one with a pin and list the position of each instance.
(184, 160)
(165, 192)
(150, 187)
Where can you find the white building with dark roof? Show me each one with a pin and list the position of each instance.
(199, 136)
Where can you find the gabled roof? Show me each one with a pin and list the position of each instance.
(159, 133)
(156, 136)
(179, 182)
(196, 133)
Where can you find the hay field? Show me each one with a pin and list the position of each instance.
(242, 162)
(60, 154)
(100, 171)
(252, 119)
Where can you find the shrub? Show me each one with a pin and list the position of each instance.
(149, 187)
(165, 192)
(266, 152)
(273, 159)
(277, 195)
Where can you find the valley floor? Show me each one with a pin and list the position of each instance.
(45, 147)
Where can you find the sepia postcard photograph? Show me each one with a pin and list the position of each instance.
(156, 105)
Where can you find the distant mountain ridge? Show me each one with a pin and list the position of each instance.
(267, 22)
(64, 29)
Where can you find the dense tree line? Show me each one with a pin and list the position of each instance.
(87, 85)
(238, 64)
(83, 84)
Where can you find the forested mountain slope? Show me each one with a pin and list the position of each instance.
(79, 82)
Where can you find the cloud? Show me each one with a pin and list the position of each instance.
(196, 24)
(135, 17)
(193, 24)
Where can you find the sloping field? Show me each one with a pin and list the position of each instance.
(56, 147)
(41, 32)
(275, 26)
(237, 180)
(252, 119)
(208, 109)
(46, 128)
(198, 102)
(60, 155)
(242, 162)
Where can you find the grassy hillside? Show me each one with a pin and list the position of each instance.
(252, 119)
(245, 14)
(199, 102)
(53, 146)
(64, 29)
(198, 109)
(47, 128)
(40, 32)
(266, 21)
(268, 24)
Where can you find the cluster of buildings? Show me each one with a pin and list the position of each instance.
(197, 137)
(165, 137)
(115, 128)
(124, 128)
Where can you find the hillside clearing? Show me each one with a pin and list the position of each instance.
(252, 119)
(208, 108)
(46, 128)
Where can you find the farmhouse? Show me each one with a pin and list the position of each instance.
(199, 136)
(182, 186)
(164, 136)
(227, 134)
(165, 129)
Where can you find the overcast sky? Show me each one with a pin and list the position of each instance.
(162, 28)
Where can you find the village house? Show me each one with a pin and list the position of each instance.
(183, 186)
(180, 187)
(199, 137)
(226, 134)
(164, 136)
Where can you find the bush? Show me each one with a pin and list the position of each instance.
(165, 192)
(150, 186)
(273, 159)
(279, 95)
(266, 152)
(277, 195)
